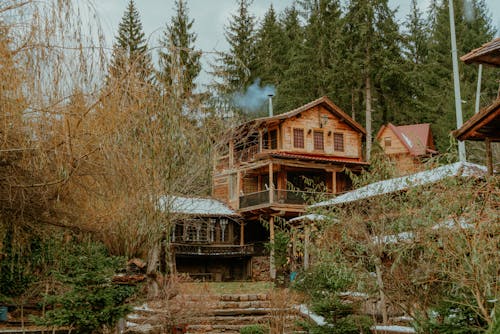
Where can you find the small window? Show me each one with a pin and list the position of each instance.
(273, 138)
(298, 138)
(338, 142)
(387, 141)
(318, 141)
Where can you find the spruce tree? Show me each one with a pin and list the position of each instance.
(179, 61)
(269, 50)
(473, 28)
(130, 55)
(236, 68)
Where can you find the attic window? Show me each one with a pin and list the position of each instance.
(387, 141)
(338, 142)
(298, 138)
(318, 141)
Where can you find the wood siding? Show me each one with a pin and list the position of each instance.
(320, 119)
(396, 147)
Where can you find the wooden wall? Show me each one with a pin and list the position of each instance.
(397, 147)
(311, 120)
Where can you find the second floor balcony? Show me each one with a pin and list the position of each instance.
(212, 249)
(277, 197)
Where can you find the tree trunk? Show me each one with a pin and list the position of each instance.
(368, 96)
(153, 289)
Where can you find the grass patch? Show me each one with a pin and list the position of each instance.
(227, 287)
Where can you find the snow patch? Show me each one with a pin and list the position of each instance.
(407, 140)
(395, 329)
(318, 320)
(194, 206)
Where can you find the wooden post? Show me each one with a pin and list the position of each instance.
(489, 156)
(261, 139)
(272, 268)
(334, 182)
(271, 183)
(231, 153)
(307, 233)
(380, 283)
(242, 234)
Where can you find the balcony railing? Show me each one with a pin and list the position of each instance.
(211, 250)
(247, 154)
(279, 197)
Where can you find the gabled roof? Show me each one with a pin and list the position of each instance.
(484, 124)
(417, 138)
(195, 206)
(488, 53)
(324, 101)
(406, 182)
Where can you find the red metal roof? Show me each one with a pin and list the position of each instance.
(317, 157)
(417, 138)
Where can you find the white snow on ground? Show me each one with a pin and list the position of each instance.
(194, 206)
(353, 294)
(395, 329)
(393, 238)
(318, 320)
(452, 223)
(133, 316)
(405, 182)
(131, 324)
(309, 217)
(143, 307)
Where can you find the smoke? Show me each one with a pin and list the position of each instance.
(468, 11)
(254, 97)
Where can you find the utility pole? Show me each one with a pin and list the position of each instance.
(456, 83)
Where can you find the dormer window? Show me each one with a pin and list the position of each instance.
(319, 144)
(298, 138)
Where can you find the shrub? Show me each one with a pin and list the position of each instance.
(253, 329)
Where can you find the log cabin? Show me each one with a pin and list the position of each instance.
(273, 165)
(205, 239)
(407, 145)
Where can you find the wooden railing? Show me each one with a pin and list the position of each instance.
(247, 154)
(207, 250)
(279, 197)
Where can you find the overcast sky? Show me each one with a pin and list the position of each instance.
(210, 17)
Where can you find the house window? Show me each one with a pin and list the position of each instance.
(273, 139)
(298, 138)
(318, 141)
(387, 141)
(338, 142)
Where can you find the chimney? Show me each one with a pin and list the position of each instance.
(270, 104)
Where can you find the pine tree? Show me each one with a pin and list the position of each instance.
(130, 54)
(236, 68)
(179, 61)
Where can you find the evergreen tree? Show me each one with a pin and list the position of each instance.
(236, 68)
(130, 54)
(473, 28)
(269, 50)
(179, 61)
(314, 64)
(372, 63)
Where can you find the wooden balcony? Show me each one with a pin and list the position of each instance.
(212, 250)
(261, 198)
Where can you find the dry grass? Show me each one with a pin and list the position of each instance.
(228, 287)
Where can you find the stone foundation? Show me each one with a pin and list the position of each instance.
(261, 268)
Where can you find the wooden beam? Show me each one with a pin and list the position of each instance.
(242, 234)
(271, 183)
(334, 182)
(231, 153)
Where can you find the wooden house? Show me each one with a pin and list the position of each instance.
(206, 240)
(274, 164)
(485, 125)
(407, 145)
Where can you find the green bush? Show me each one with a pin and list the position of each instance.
(253, 329)
(91, 300)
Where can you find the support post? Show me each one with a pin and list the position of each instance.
(242, 234)
(231, 153)
(272, 268)
(456, 82)
(271, 183)
(334, 182)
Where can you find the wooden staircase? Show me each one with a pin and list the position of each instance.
(196, 314)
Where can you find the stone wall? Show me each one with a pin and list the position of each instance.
(260, 268)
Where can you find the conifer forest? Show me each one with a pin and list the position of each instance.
(103, 145)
